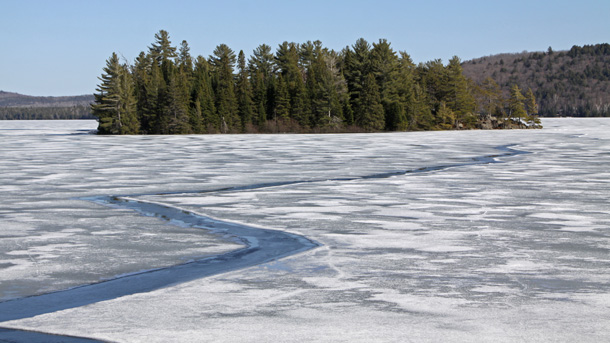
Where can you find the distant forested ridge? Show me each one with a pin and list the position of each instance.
(298, 88)
(566, 83)
(19, 106)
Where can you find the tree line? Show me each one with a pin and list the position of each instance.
(574, 82)
(298, 88)
(45, 113)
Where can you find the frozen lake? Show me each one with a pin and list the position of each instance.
(425, 236)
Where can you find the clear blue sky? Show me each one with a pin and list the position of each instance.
(58, 47)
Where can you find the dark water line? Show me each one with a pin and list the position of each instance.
(260, 246)
(488, 159)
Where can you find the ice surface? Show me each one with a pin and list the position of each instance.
(511, 251)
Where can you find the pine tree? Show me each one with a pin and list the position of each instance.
(288, 63)
(306, 55)
(185, 61)
(203, 97)
(491, 101)
(446, 116)
(262, 74)
(223, 63)
(384, 65)
(516, 107)
(433, 79)
(395, 118)
(422, 118)
(259, 97)
(144, 97)
(357, 68)
(115, 104)
(459, 97)
(531, 108)
(162, 53)
(405, 92)
(179, 100)
(245, 106)
(162, 49)
(371, 116)
(321, 79)
(282, 100)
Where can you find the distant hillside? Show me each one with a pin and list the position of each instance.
(19, 106)
(566, 83)
(8, 99)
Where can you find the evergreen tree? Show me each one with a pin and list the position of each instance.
(371, 116)
(530, 103)
(203, 97)
(145, 97)
(306, 54)
(178, 105)
(459, 97)
(162, 71)
(259, 96)
(491, 101)
(433, 79)
(395, 118)
(262, 60)
(287, 60)
(262, 74)
(531, 107)
(115, 104)
(516, 107)
(405, 94)
(185, 61)
(321, 95)
(384, 65)
(357, 68)
(446, 117)
(282, 100)
(162, 49)
(245, 106)
(223, 63)
(422, 118)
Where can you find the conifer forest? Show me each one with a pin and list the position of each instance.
(298, 88)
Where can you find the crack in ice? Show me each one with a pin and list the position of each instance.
(260, 245)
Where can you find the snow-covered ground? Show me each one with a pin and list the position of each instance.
(511, 251)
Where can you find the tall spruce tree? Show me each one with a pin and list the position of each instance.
(357, 68)
(405, 94)
(282, 100)
(371, 115)
(459, 97)
(245, 106)
(223, 63)
(262, 74)
(146, 100)
(384, 65)
(115, 102)
(287, 60)
(203, 96)
(178, 105)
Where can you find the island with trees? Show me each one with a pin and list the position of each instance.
(300, 88)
